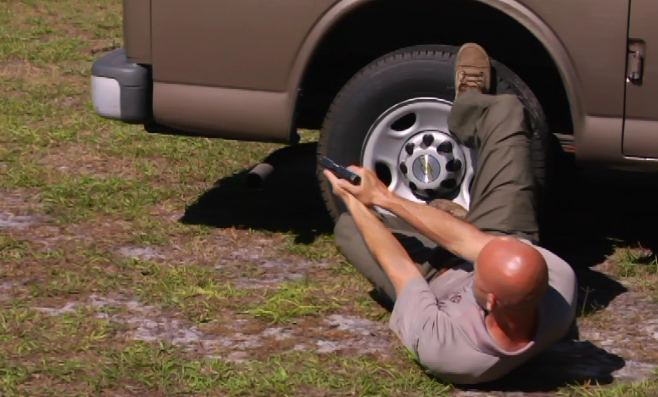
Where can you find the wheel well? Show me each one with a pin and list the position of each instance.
(380, 27)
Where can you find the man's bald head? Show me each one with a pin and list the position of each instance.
(513, 272)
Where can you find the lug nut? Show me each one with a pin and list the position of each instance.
(449, 184)
(454, 165)
(403, 168)
(409, 148)
(445, 147)
(428, 139)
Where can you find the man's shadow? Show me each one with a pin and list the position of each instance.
(593, 213)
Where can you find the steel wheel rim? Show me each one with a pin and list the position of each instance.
(386, 145)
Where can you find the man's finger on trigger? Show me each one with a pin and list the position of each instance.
(343, 184)
(336, 183)
(329, 175)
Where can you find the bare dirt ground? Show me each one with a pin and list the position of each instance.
(142, 265)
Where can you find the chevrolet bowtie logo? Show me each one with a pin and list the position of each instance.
(426, 166)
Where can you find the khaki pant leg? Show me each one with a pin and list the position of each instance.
(352, 245)
(503, 195)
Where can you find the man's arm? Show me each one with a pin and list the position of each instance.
(416, 318)
(385, 248)
(455, 235)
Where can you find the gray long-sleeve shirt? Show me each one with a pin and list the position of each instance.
(442, 324)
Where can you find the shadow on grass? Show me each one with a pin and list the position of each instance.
(596, 212)
(289, 201)
(566, 363)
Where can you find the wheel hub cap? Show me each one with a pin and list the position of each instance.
(432, 164)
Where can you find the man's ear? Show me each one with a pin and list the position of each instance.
(491, 301)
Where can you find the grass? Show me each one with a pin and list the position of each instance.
(138, 242)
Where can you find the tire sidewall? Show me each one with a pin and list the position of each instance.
(404, 75)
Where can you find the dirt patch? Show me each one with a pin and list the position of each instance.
(9, 220)
(150, 324)
(355, 334)
(5, 289)
(79, 160)
(268, 270)
(20, 68)
(234, 338)
(627, 327)
(141, 253)
(17, 212)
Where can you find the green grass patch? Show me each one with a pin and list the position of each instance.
(646, 388)
(146, 369)
(639, 268)
(293, 300)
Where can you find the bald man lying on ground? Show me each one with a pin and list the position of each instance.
(503, 299)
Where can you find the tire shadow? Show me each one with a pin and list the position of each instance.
(288, 201)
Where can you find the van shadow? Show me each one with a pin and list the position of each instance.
(288, 201)
(594, 213)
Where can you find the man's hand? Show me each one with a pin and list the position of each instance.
(458, 237)
(383, 246)
(370, 191)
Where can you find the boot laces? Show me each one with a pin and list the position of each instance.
(471, 80)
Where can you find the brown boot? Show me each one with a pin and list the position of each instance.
(450, 207)
(472, 69)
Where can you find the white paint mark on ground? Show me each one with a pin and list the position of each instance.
(371, 337)
(8, 220)
(5, 288)
(70, 307)
(275, 271)
(277, 333)
(148, 323)
(355, 325)
(635, 371)
(143, 253)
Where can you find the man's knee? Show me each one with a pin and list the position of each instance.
(508, 107)
(505, 118)
(508, 102)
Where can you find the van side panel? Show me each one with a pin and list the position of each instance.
(248, 44)
(594, 35)
(641, 98)
(265, 46)
(641, 126)
(137, 30)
